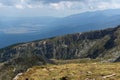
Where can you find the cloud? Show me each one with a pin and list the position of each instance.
(87, 5)
(19, 6)
(61, 5)
(54, 1)
(79, 5)
(9, 2)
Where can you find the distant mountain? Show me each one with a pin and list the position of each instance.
(88, 21)
(103, 45)
(33, 28)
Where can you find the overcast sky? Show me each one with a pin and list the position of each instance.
(53, 7)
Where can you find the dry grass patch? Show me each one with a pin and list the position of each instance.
(74, 71)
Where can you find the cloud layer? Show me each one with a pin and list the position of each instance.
(54, 7)
(62, 4)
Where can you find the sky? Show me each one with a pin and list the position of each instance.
(57, 8)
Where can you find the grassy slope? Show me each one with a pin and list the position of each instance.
(74, 71)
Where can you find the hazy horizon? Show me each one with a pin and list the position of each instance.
(27, 20)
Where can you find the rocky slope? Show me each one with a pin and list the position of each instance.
(101, 44)
(94, 44)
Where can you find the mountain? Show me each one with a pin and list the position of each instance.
(88, 21)
(102, 45)
(71, 46)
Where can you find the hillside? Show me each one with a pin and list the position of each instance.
(73, 71)
(94, 44)
(101, 45)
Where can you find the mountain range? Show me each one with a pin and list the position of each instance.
(34, 28)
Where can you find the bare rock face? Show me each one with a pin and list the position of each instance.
(16, 77)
